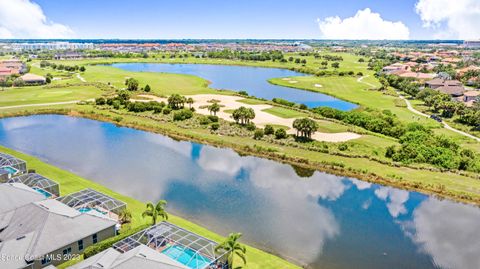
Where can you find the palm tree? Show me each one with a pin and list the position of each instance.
(155, 211)
(214, 108)
(125, 216)
(190, 102)
(234, 249)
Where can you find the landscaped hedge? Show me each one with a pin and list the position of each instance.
(105, 244)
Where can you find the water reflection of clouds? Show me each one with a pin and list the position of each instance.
(293, 219)
(395, 199)
(448, 231)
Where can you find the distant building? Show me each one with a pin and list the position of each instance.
(471, 43)
(33, 79)
(439, 82)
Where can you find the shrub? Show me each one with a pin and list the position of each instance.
(283, 102)
(250, 126)
(166, 110)
(100, 101)
(258, 134)
(147, 88)
(269, 130)
(215, 126)
(390, 151)
(280, 133)
(116, 104)
(204, 120)
(303, 106)
(244, 93)
(213, 118)
(103, 245)
(342, 147)
(182, 115)
(117, 119)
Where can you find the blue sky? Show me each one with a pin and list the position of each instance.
(236, 19)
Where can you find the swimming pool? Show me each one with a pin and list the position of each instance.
(187, 257)
(44, 192)
(87, 209)
(10, 170)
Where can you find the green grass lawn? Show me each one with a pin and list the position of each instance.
(284, 112)
(70, 183)
(40, 94)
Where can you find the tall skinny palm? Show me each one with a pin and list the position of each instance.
(234, 249)
(156, 211)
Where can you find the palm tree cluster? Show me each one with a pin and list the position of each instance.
(305, 127)
(177, 101)
(243, 115)
(234, 249)
(156, 211)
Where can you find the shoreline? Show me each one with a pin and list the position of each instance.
(332, 168)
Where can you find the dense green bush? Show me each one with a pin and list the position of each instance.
(166, 110)
(283, 102)
(269, 130)
(280, 133)
(383, 122)
(215, 126)
(182, 115)
(258, 134)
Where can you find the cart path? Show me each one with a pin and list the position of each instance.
(448, 127)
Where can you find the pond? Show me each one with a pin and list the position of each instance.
(253, 80)
(313, 218)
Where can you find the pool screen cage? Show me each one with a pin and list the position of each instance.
(9, 160)
(165, 234)
(89, 198)
(34, 180)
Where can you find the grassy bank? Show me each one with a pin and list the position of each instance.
(70, 183)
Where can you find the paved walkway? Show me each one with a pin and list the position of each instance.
(410, 107)
(360, 79)
(81, 78)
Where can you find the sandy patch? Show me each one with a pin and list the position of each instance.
(262, 118)
(318, 85)
(293, 81)
(286, 78)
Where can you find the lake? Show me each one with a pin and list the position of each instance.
(313, 218)
(253, 80)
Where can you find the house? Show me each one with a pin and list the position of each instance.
(470, 97)
(390, 69)
(163, 246)
(454, 91)
(439, 82)
(48, 233)
(33, 79)
(15, 195)
(417, 75)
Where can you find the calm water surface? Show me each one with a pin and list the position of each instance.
(253, 80)
(314, 218)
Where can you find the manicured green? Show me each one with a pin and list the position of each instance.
(284, 112)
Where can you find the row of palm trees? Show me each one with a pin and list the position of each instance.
(231, 245)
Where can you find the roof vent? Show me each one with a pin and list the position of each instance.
(143, 255)
(99, 264)
(21, 237)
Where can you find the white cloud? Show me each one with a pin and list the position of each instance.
(25, 19)
(459, 19)
(449, 232)
(364, 25)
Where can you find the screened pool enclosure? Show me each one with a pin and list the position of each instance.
(187, 248)
(8, 161)
(38, 182)
(88, 200)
